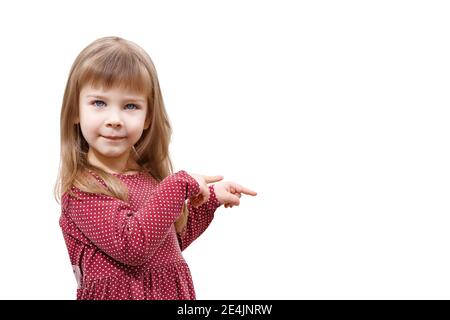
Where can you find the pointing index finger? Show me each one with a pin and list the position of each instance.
(245, 190)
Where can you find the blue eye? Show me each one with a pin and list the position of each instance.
(131, 104)
(98, 101)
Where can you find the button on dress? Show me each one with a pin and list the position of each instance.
(130, 250)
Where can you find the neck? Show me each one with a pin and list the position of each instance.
(120, 164)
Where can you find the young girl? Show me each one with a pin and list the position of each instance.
(125, 218)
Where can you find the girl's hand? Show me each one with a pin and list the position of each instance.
(203, 196)
(229, 193)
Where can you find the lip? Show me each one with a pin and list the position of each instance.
(113, 137)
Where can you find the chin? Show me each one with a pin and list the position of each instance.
(113, 153)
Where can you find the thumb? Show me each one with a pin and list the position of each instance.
(231, 199)
(210, 179)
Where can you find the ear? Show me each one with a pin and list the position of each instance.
(147, 124)
(77, 120)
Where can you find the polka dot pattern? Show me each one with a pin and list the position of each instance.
(130, 250)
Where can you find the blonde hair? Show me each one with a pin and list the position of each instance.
(113, 62)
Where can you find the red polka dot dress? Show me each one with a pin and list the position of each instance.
(130, 250)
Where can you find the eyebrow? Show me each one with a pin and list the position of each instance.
(127, 98)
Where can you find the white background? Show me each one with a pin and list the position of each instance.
(335, 112)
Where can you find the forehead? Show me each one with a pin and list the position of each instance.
(114, 91)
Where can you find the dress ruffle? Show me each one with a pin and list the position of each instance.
(156, 283)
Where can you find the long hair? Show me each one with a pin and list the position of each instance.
(113, 62)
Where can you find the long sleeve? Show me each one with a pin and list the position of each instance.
(199, 219)
(131, 237)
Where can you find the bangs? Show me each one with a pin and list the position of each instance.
(116, 68)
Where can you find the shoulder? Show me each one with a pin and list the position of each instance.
(71, 195)
(76, 195)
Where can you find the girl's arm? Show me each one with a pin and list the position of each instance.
(131, 237)
(198, 220)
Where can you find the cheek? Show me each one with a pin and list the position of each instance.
(135, 129)
(87, 131)
(89, 125)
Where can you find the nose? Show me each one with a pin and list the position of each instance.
(112, 124)
(114, 120)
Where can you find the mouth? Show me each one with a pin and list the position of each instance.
(113, 138)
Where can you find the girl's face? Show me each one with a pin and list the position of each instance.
(112, 121)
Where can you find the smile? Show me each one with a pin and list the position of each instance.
(114, 138)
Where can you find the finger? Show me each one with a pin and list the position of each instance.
(210, 179)
(204, 196)
(245, 190)
(194, 203)
(231, 199)
(198, 200)
(195, 200)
